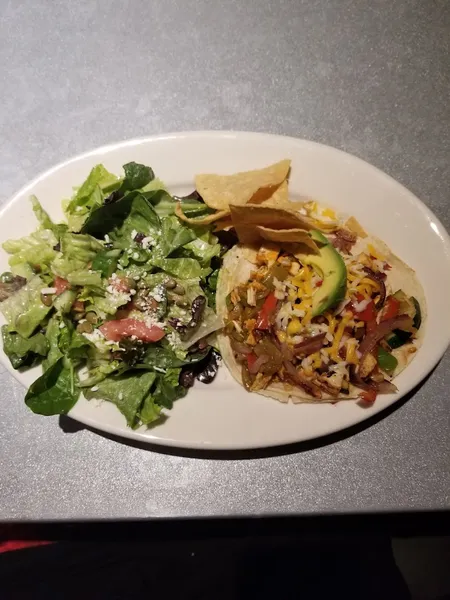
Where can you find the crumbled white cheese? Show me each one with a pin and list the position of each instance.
(148, 241)
(107, 238)
(120, 396)
(329, 337)
(62, 325)
(48, 290)
(94, 389)
(133, 234)
(135, 255)
(361, 306)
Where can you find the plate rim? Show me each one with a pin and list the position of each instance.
(148, 438)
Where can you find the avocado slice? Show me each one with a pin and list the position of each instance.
(331, 267)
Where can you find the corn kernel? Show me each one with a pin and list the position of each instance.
(292, 295)
(294, 326)
(281, 336)
(373, 252)
(329, 213)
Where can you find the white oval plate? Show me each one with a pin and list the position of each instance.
(223, 415)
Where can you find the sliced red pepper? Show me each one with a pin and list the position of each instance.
(267, 310)
(368, 314)
(251, 359)
(369, 396)
(61, 285)
(390, 308)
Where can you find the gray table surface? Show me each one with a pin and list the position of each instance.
(368, 76)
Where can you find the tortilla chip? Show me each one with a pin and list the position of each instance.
(200, 221)
(352, 225)
(275, 195)
(219, 191)
(267, 216)
(225, 223)
(294, 236)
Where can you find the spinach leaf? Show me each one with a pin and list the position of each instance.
(54, 392)
(126, 391)
(106, 262)
(165, 358)
(210, 288)
(168, 389)
(136, 177)
(23, 352)
(141, 218)
(110, 217)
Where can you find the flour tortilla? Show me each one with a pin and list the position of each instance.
(236, 269)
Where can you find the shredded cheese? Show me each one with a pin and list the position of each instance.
(338, 336)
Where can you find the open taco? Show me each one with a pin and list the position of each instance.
(335, 320)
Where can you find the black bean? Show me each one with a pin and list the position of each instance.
(208, 374)
(187, 379)
(138, 238)
(197, 310)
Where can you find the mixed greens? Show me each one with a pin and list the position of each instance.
(117, 303)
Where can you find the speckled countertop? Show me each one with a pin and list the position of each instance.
(367, 76)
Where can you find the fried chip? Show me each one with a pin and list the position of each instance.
(267, 216)
(282, 236)
(219, 191)
(200, 221)
(225, 223)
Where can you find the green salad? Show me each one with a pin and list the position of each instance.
(118, 303)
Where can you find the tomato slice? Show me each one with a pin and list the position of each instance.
(368, 314)
(390, 309)
(251, 359)
(61, 285)
(122, 328)
(267, 310)
(369, 396)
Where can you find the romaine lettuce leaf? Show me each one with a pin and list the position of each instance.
(85, 277)
(183, 268)
(54, 393)
(90, 196)
(150, 411)
(173, 235)
(164, 204)
(126, 391)
(25, 311)
(77, 251)
(36, 249)
(23, 352)
(44, 220)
